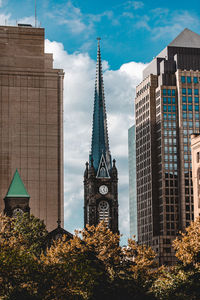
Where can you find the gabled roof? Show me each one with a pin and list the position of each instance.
(17, 188)
(187, 38)
(103, 169)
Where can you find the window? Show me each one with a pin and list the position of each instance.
(164, 100)
(184, 91)
(183, 79)
(173, 116)
(169, 92)
(103, 210)
(184, 99)
(189, 99)
(197, 124)
(190, 92)
(184, 107)
(173, 93)
(196, 99)
(195, 79)
(190, 107)
(196, 107)
(190, 124)
(173, 108)
(169, 100)
(164, 108)
(169, 108)
(196, 91)
(197, 157)
(196, 116)
(190, 116)
(189, 79)
(184, 115)
(164, 92)
(173, 100)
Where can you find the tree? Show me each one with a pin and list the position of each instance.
(187, 246)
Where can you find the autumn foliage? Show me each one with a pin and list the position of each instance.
(92, 265)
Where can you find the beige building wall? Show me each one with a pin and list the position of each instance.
(31, 121)
(195, 151)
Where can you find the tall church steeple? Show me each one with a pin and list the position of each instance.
(100, 177)
(100, 143)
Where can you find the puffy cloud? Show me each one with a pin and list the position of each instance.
(78, 110)
(171, 24)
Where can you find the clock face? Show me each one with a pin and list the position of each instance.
(17, 211)
(103, 189)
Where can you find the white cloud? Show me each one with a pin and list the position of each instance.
(76, 21)
(171, 24)
(78, 109)
(134, 4)
(138, 4)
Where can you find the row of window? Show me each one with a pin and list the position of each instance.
(189, 91)
(169, 92)
(170, 149)
(189, 99)
(190, 116)
(189, 107)
(170, 166)
(169, 124)
(169, 132)
(169, 116)
(169, 108)
(189, 79)
(169, 100)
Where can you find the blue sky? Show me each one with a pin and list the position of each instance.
(132, 33)
(131, 30)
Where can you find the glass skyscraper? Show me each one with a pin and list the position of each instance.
(167, 113)
(132, 182)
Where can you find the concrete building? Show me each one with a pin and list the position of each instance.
(132, 182)
(166, 113)
(195, 151)
(31, 121)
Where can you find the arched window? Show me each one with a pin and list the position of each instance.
(104, 212)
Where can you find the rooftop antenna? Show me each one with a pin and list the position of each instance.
(35, 15)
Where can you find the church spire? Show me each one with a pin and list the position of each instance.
(100, 143)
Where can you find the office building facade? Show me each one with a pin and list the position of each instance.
(31, 122)
(167, 112)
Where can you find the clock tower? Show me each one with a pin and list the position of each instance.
(100, 177)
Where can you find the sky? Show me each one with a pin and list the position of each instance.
(132, 33)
